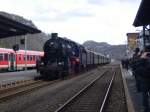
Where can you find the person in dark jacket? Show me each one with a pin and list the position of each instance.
(143, 71)
(37, 65)
(134, 65)
(145, 78)
(126, 64)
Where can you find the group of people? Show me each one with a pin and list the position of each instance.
(140, 65)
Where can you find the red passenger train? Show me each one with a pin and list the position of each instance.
(11, 60)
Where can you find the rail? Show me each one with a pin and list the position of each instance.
(79, 93)
(106, 95)
(21, 90)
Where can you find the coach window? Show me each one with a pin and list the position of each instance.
(1, 57)
(28, 58)
(31, 58)
(6, 57)
(35, 58)
(24, 58)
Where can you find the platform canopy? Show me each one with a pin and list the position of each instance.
(143, 15)
(9, 27)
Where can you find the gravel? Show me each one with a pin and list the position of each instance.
(49, 98)
(91, 99)
(116, 100)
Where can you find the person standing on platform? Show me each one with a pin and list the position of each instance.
(134, 65)
(37, 64)
(144, 72)
(141, 70)
(126, 64)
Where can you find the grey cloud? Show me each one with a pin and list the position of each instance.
(104, 2)
(97, 2)
(130, 1)
(45, 10)
(77, 13)
(72, 14)
(60, 16)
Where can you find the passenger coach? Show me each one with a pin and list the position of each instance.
(10, 60)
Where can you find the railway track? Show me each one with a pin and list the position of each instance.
(16, 84)
(14, 89)
(54, 96)
(7, 93)
(90, 98)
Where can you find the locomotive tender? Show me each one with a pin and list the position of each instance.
(63, 56)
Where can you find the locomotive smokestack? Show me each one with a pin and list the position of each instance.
(54, 35)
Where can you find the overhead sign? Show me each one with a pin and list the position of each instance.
(132, 41)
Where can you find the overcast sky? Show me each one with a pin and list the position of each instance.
(79, 20)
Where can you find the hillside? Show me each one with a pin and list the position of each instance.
(114, 51)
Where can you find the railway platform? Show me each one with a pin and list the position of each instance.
(17, 76)
(135, 98)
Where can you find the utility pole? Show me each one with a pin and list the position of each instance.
(25, 48)
(144, 41)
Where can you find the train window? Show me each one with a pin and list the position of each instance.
(28, 57)
(76, 50)
(68, 46)
(1, 57)
(34, 57)
(63, 45)
(6, 57)
(31, 58)
(24, 58)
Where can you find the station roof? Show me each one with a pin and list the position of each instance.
(9, 27)
(132, 34)
(143, 16)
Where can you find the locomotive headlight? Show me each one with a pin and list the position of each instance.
(77, 60)
(60, 63)
(42, 63)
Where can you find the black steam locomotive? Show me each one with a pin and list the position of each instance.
(63, 56)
